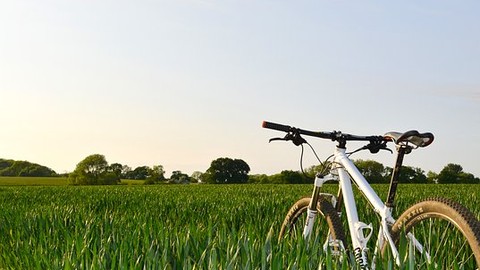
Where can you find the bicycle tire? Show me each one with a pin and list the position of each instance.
(293, 222)
(433, 218)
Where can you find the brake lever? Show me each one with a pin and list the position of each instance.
(386, 149)
(375, 148)
(276, 139)
(294, 137)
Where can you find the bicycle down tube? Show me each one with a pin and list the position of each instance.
(347, 173)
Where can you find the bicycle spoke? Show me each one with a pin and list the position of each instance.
(444, 243)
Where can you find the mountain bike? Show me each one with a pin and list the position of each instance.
(437, 233)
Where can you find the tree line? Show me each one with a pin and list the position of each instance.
(451, 173)
(376, 172)
(95, 170)
(9, 167)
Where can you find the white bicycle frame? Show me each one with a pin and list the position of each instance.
(346, 173)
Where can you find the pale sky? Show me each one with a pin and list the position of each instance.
(181, 83)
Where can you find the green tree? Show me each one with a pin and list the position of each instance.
(258, 179)
(36, 170)
(226, 171)
(24, 168)
(152, 175)
(179, 177)
(93, 170)
(139, 173)
(125, 170)
(196, 177)
(453, 173)
(116, 168)
(432, 177)
(5, 163)
(157, 173)
(469, 178)
(291, 177)
(450, 174)
(312, 171)
(373, 171)
(276, 179)
(412, 175)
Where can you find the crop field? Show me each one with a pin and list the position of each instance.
(32, 181)
(48, 181)
(169, 226)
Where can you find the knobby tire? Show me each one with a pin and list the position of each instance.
(448, 230)
(326, 213)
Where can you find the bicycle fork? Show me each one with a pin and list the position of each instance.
(336, 246)
(311, 213)
(312, 207)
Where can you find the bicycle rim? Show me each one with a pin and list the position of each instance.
(327, 229)
(448, 233)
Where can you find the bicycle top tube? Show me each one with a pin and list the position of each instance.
(409, 137)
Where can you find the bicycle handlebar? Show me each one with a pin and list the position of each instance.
(276, 126)
(334, 136)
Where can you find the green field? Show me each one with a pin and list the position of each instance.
(47, 181)
(32, 181)
(167, 226)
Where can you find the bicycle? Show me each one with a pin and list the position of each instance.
(427, 226)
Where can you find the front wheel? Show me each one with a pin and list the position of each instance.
(448, 232)
(328, 225)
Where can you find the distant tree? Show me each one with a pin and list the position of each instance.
(258, 179)
(275, 179)
(412, 175)
(5, 163)
(312, 171)
(196, 177)
(93, 170)
(450, 174)
(432, 177)
(453, 173)
(151, 175)
(125, 170)
(469, 178)
(24, 168)
(293, 177)
(287, 177)
(156, 173)
(373, 171)
(36, 171)
(140, 173)
(226, 171)
(179, 177)
(116, 168)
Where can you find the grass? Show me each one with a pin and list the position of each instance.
(167, 226)
(32, 181)
(48, 181)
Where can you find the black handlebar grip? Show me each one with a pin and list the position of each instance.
(275, 126)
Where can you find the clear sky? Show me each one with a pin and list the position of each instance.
(183, 82)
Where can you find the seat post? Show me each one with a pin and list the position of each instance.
(402, 150)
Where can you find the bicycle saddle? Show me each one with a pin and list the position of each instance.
(411, 136)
